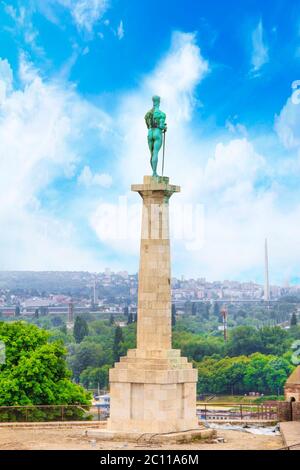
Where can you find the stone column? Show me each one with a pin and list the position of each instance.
(153, 388)
(154, 295)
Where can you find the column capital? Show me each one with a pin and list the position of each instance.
(155, 183)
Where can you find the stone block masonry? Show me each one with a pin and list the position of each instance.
(153, 388)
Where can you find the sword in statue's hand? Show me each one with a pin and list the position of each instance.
(164, 146)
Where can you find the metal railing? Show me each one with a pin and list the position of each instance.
(48, 413)
(237, 411)
(206, 411)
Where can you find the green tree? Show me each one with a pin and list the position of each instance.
(234, 373)
(173, 315)
(294, 320)
(244, 340)
(87, 354)
(63, 329)
(80, 329)
(276, 373)
(274, 340)
(202, 347)
(117, 346)
(57, 321)
(111, 319)
(257, 372)
(35, 372)
(92, 377)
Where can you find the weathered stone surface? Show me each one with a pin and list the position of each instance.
(153, 388)
(296, 412)
(284, 411)
(292, 386)
(131, 436)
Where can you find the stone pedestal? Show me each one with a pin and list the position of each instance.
(153, 388)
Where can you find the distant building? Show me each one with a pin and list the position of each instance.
(8, 311)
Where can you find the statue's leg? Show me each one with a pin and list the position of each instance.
(156, 148)
(151, 145)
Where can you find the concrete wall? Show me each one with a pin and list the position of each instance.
(296, 411)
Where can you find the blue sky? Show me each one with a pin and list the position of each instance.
(76, 78)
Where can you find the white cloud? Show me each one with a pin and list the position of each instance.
(237, 158)
(224, 176)
(6, 80)
(260, 50)
(44, 130)
(236, 127)
(287, 124)
(120, 30)
(42, 134)
(22, 17)
(175, 79)
(19, 16)
(88, 179)
(239, 215)
(177, 75)
(85, 13)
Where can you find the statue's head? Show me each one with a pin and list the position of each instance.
(156, 100)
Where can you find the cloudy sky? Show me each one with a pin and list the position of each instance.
(76, 78)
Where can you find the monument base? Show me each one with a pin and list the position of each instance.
(152, 438)
(152, 392)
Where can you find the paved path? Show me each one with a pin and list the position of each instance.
(290, 432)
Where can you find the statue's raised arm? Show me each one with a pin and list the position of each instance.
(156, 125)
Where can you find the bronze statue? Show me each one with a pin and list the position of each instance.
(157, 127)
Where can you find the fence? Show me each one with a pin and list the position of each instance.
(205, 411)
(238, 411)
(48, 413)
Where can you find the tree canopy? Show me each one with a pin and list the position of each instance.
(35, 371)
(80, 329)
(243, 374)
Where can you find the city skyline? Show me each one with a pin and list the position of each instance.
(108, 272)
(75, 83)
